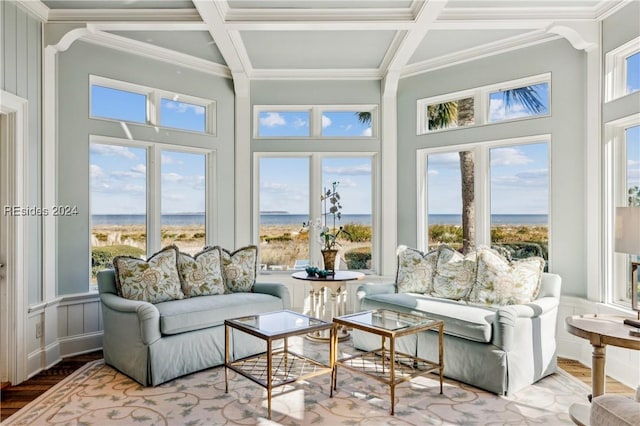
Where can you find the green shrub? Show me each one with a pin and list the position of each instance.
(357, 233)
(359, 258)
(447, 234)
(101, 257)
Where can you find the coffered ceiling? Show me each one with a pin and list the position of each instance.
(304, 39)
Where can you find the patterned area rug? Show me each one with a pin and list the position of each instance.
(97, 394)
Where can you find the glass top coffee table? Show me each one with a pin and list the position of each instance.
(275, 367)
(388, 365)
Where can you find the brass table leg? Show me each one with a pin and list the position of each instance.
(226, 359)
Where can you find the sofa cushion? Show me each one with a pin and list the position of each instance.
(455, 274)
(500, 282)
(201, 274)
(460, 319)
(239, 269)
(179, 316)
(415, 270)
(153, 280)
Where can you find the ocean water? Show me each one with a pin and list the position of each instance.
(296, 219)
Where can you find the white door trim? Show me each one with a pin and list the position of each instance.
(15, 164)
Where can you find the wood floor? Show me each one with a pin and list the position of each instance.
(13, 398)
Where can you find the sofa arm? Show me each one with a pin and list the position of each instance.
(506, 320)
(274, 289)
(371, 289)
(146, 318)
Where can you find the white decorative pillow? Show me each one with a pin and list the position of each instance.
(500, 282)
(239, 269)
(415, 270)
(153, 280)
(201, 274)
(455, 274)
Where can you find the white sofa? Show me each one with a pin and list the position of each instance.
(498, 348)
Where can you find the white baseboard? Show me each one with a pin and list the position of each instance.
(42, 359)
(79, 344)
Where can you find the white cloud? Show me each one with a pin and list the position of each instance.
(447, 159)
(96, 172)
(498, 110)
(273, 119)
(508, 157)
(112, 150)
(172, 177)
(136, 172)
(326, 121)
(167, 159)
(356, 170)
(137, 189)
(299, 122)
(523, 180)
(181, 107)
(433, 172)
(139, 168)
(367, 132)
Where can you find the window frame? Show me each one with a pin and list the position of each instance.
(482, 186)
(153, 192)
(154, 97)
(481, 95)
(616, 69)
(315, 119)
(615, 195)
(315, 191)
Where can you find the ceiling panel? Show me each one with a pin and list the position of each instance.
(521, 3)
(194, 43)
(319, 4)
(443, 42)
(316, 49)
(118, 4)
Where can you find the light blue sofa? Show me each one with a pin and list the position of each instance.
(154, 343)
(501, 349)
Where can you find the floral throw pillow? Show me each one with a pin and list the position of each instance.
(201, 274)
(415, 270)
(239, 269)
(153, 280)
(455, 274)
(500, 282)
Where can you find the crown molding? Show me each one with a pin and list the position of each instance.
(486, 50)
(148, 26)
(519, 13)
(309, 25)
(608, 8)
(316, 74)
(155, 52)
(350, 14)
(35, 8)
(88, 15)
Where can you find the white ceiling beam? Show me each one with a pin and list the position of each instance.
(531, 12)
(149, 26)
(378, 25)
(491, 24)
(35, 8)
(123, 15)
(212, 15)
(354, 14)
(426, 16)
(316, 74)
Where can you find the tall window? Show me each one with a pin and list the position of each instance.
(444, 204)
(520, 199)
(124, 193)
(624, 141)
(284, 207)
(510, 213)
(183, 202)
(290, 190)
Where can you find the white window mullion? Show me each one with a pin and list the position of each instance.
(422, 197)
(482, 183)
(154, 202)
(210, 216)
(153, 108)
(315, 122)
(481, 107)
(315, 206)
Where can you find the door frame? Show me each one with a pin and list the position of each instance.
(15, 180)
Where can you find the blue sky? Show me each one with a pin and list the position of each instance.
(290, 123)
(633, 156)
(633, 73)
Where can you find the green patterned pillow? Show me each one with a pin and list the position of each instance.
(153, 280)
(415, 270)
(500, 282)
(239, 269)
(201, 274)
(455, 274)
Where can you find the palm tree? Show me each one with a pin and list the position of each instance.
(460, 113)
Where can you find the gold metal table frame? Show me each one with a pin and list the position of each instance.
(279, 367)
(387, 365)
